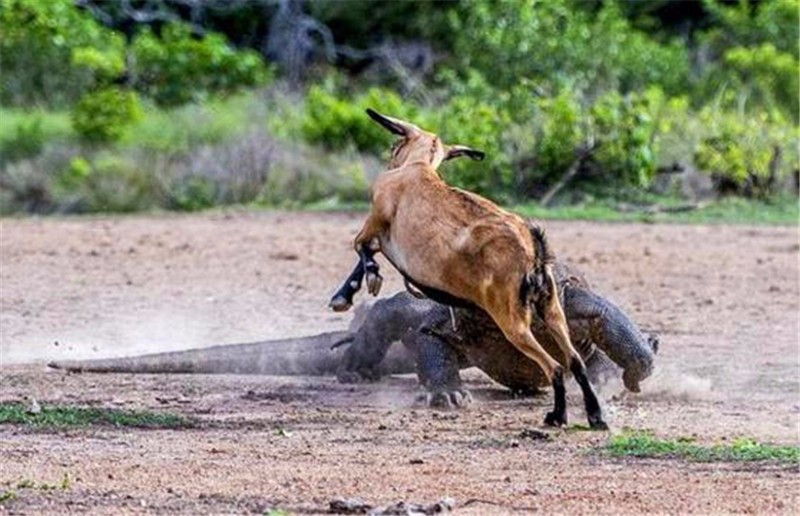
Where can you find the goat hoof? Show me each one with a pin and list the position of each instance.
(598, 424)
(553, 419)
(340, 304)
(374, 283)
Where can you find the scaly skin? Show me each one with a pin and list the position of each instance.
(445, 340)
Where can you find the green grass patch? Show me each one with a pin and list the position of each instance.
(733, 210)
(780, 212)
(63, 417)
(645, 445)
(54, 125)
(186, 127)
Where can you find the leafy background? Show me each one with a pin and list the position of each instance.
(113, 105)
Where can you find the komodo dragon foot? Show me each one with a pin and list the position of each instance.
(447, 398)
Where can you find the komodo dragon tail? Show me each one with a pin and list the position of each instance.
(304, 356)
(316, 355)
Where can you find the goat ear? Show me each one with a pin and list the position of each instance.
(393, 125)
(456, 151)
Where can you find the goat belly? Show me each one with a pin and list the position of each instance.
(397, 260)
(439, 296)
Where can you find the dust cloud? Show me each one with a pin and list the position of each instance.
(151, 332)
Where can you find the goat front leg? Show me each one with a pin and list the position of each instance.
(371, 270)
(342, 300)
(366, 245)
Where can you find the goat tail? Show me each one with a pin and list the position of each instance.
(543, 254)
(536, 290)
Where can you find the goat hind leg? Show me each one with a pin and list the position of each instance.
(523, 340)
(557, 325)
(594, 412)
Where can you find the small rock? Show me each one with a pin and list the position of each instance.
(283, 255)
(534, 435)
(348, 506)
(416, 461)
(414, 509)
(34, 407)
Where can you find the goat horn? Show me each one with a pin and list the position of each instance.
(455, 151)
(393, 125)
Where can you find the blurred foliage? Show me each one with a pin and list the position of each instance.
(105, 183)
(365, 22)
(26, 141)
(53, 53)
(337, 122)
(753, 48)
(625, 130)
(176, 67)
(162, 105)
(745, 154)
(181, 129)
(465, 120)
(45, 48)
(558, 44)
(104, 115)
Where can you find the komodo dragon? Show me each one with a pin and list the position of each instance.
(437, 342)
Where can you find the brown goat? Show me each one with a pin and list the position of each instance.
(461, 249)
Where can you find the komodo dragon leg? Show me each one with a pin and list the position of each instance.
(388, 320)
(439, 359)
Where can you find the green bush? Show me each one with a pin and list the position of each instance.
(561, 128)
(739, 151)
(104, 115)
(105, 183)
(50, 52)
(560, 44)
(625, 130)
(337, 122)
(177, 67)
(466, 121)
(305, 175)
(27, 141)
(757, 54)
(181, 128)
(765, 76)
(192, 194)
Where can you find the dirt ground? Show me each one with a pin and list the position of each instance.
(724, 300)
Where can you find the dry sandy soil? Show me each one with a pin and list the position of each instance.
(724, 299)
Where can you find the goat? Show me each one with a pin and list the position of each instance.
(461, 249)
